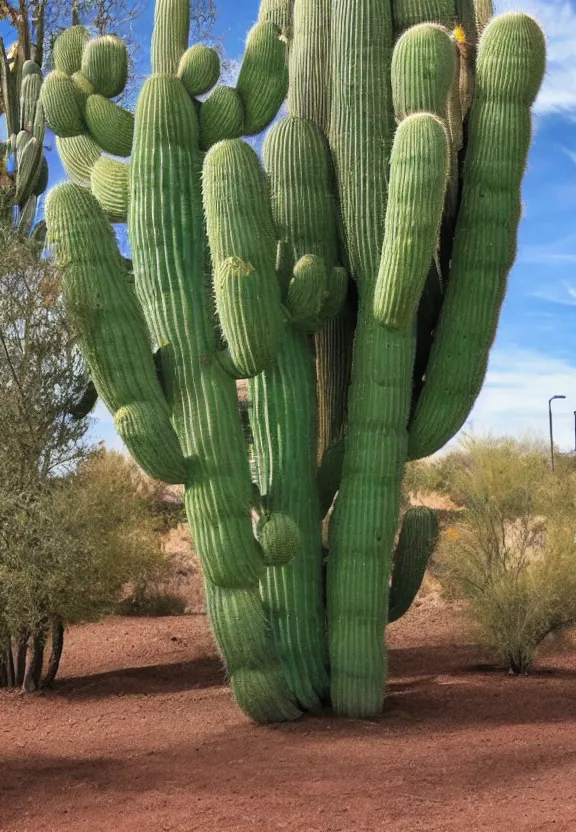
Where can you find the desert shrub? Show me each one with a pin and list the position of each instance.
(434, 475)
(67, 551)
(512, 552)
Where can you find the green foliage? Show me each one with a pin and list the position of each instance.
(352, 215)
(68, 549)
(42, 375)
(512, 550)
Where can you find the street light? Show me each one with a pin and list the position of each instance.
(551, 432)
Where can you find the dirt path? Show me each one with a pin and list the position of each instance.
(160, 746)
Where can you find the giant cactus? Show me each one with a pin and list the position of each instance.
(388, 201)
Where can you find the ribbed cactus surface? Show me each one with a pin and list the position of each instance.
(23, 165)
(355, 275)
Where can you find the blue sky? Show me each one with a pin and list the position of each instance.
(534, 356)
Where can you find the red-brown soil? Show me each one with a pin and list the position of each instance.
(141, 735)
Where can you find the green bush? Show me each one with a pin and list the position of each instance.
(512, 551)
(67, 551)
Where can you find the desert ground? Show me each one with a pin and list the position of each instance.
(140, 734)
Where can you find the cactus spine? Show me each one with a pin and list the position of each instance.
(381, 173)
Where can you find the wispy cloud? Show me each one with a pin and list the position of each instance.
(558, 252)
(563, 295)
(558, 17)
(515, 396)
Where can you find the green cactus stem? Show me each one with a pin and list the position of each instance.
(306, 292)
(423, 70)
(407, 13)
(63, 104)
(511, 61)
(166, 230)
(109, 181)
(263, 80)
(68, 48)
(242, 242)
(280, 539)
(415, 206)
(416, 544)
(78, 155)
(199, 69)
(111, 126)
(105, 65)
(95, 283)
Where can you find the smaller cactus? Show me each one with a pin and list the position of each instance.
(416, 544)
(24, 167)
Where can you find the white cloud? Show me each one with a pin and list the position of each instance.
(562, 250)
(558, 17)
(515, 396)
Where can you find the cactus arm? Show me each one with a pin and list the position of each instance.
(511, 57)
(484, 12)
(261, 88)
(408, 13)
(306, 293)
(170, 35)
(418, 538)
(416, 202)
(424, 64)
(111, 126)
(199, 69)
(105, 65)
(278, 12)
(263, 80)
(309, 97)
(221, 116)
(109, 181)
(114, 337)
(78, 155)
(29, 159)
(166, 227)
(63, 105)
(298, 167)
(242, 242)
(29, 95)
(27, 215)
(423, 73)
(283, 420)
(309, 92)
(68, 49)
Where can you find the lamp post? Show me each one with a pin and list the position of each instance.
(575, 430)
(551, 431)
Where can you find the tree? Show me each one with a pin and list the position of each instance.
(66, 551)
(42, 381)
(42, 376)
